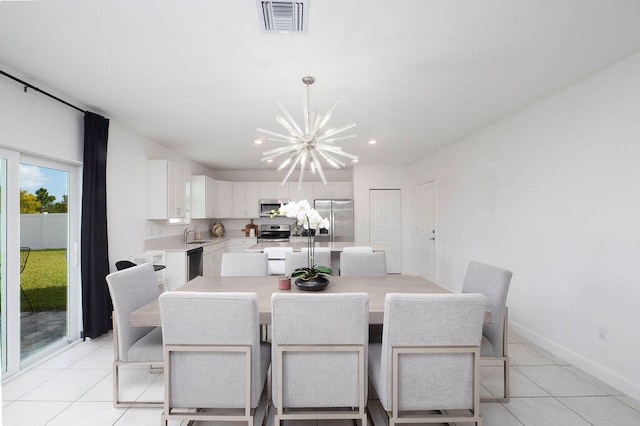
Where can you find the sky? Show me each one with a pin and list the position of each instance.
(34, 177)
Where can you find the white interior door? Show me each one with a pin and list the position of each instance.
(426, 230)
(385, 225)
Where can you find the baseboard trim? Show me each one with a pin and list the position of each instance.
(589, 366)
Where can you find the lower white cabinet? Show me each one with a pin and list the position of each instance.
(207, 263)
(238, 245)
(176, 272)
(212, 259)
(217, 260)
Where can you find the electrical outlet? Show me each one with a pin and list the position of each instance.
(603, 333)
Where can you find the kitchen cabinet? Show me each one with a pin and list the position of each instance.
(268, 190)
(239, 199)
(166, 190)
(225, 199)
(212, 259)
(342, 190)
(281, 192)
(232, 201)
(318, 191)
(176, 271)
(239, 245)
(304, 193)
(255, 192)
(207, 261)
(322, 191)
(204, 197)
(217, 260)
(335, 190)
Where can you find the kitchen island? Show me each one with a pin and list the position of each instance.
(297, 246)
(335, 248)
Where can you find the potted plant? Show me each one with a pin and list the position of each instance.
(313, 277)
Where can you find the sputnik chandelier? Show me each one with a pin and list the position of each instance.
(309, 145)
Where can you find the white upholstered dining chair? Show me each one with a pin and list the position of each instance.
(131, 289)
(429, 357)
(319, 352)
(295, 260)
(363, 263)
(276, 256)
(359, 249)
(493, 282)
(215, 365)
(248, 264)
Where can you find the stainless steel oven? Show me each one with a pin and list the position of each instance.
(274, 233)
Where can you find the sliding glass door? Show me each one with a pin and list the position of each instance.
(44, 253)
(39, 235)
(9, 259)
(3, 262)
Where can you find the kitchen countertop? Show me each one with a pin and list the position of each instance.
(297, 246)
(177, 244)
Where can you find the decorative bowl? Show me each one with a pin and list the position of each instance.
(315, 284)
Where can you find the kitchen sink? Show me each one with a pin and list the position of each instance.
(198, 241)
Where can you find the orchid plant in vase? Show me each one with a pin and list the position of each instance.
(310, 220)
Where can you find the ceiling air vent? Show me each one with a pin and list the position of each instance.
(284, 16)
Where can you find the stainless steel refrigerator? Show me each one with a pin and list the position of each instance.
(340, 214)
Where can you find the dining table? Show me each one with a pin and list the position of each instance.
(265, 286)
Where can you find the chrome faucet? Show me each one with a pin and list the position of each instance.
(186, 234)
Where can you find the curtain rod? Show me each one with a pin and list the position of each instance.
(31, 86)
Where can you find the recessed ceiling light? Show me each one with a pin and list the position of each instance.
(354, 161)
(372, 142)
(258, 141)
(270, 161)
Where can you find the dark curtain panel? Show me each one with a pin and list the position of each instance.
(96, 302)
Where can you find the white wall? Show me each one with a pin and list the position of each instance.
(128, 226)
(33, 123)
(553, 193)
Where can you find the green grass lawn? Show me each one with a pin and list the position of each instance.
(44, 280)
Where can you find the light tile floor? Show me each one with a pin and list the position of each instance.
(74, 388)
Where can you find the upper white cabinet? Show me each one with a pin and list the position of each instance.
(236, 200)
(304, 193)
(268, 190)
(318, 191)
(166, 190)
(256, 191)
(204, 197)
(342, 190)
(281, 192)
(241, 199)
(225, 199)
(321, 191)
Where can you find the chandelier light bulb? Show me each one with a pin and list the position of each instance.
(309, 145)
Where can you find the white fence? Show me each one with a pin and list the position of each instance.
(44, 231)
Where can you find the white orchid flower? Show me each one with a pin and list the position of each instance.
(314, 218)
(308, 218)
(290, 209)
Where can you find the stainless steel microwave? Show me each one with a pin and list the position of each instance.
(267, 206)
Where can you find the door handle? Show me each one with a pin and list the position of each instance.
(432, 238)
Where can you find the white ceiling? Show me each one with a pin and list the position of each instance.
(199, 76)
